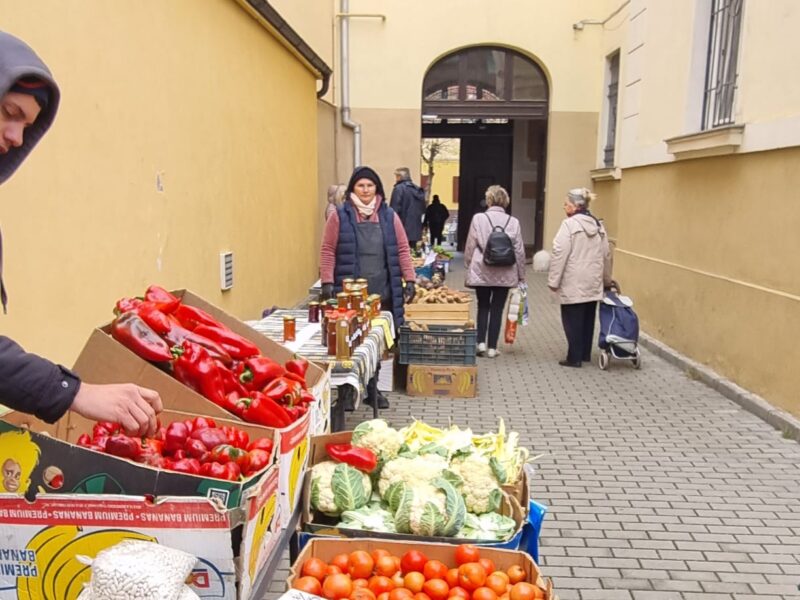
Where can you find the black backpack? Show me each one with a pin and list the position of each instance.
(499, 250)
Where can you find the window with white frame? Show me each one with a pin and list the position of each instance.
(721, 64)
(612, 95)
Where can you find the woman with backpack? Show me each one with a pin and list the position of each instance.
(494, 257)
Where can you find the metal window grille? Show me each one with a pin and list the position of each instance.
(612, 96)
(723, 53)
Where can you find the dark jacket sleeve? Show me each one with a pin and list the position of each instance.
(398, 202)
(34, 385)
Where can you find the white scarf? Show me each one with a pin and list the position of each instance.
(365, 210)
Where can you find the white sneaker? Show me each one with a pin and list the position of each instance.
(492, 353)
(480, 350)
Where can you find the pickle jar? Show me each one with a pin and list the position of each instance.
(289, 328)
(313, 312)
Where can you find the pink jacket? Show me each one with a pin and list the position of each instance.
(480, 274)
(581, 260)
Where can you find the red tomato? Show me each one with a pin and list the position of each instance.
(400, 594)
(362, 593)
(314, 567)
(525, 591)
(437, 589)
(414, 581)
(471, 576)
(413, 560)
(386, 565)
(484, 593)
(309, 584)
(360, 582)
(337, 586)
(341, 561)
(435, 569)
(385, 596)
(376, 554)
(458, 592)
(380, 583)
(360, 564)
(516, 574)
(421, 596)
(467, 553)
(332, 570)
(452, 577)
(397, 579)
(497, 582)
(488, 565)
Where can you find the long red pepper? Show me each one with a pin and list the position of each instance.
(263, 411)
(195, 368)
(136, 335)
(258, 371)
(362, 459)
(191, 316)
(165, 301)
(236, 345)
(179, 334)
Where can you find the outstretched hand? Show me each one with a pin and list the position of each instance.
(133, 407)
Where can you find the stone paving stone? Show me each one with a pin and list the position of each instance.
(647, 461)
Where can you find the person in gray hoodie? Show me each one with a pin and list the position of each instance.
(580, 267)
(29, 99)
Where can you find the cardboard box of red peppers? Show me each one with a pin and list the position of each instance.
(233, 436)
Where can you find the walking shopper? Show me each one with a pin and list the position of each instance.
(335, 198)
(408, 201)
(365, 238)
(29, 100)
(580, 267)
(436, 216)
(491, 282)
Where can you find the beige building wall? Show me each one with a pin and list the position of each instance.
(171, 146)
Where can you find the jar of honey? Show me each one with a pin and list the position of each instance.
(343, 300)
(342, 339)
(313, 312)
(289, 328)
(374, 305)
(363, 286)
(356, 302)
(347, 283)
(330, 335)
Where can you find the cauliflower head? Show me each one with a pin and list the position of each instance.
(337, 487)
(428, 508)
(480, 487)
(423, 468)
(376, 435)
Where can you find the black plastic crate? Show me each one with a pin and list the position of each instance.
(439, 345)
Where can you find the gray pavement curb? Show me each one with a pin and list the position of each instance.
(778, 418)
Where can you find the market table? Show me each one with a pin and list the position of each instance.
(349, 377)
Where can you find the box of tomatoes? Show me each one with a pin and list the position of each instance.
(370, 569)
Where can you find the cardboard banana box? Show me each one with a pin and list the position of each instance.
(442, 381)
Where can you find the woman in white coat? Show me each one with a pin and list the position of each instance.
(580, 268)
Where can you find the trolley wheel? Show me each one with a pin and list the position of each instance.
(637, 361)
(603, 360)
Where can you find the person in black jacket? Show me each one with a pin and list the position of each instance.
(408, 201)
(29, 100)
(436, 216)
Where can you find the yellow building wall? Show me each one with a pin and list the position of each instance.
(707, 249)
(606, 206)
(443, 173)
(185, 129)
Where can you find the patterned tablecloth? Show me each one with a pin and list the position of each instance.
(356, 371)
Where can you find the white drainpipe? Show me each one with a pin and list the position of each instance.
(344, 48)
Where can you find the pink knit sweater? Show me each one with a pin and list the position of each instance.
(330, 239)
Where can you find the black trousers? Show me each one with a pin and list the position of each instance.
(578, 321)
(436, 233)
(491, 301)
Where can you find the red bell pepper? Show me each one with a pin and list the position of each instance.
(178, 334)
(84, 440)
(105, 428)
(362, 459)
(123, 446)
(297, 379)
(203, 423)
(232, 471)
(258, 460)
(258, 371)
(136, 335)
(185, 465)
(236, 345)
(165, 301)
(179, 454)
(307, 397)
(152, 445)
(213, 469)
(189, 425)
(298, 366)
(211, 437)
(264, 411)
(195, 449)
(225, 453)
(237, 437)
(175, 436)
(191, 316)
(232, 400)
(284, 391)
(231, 382)
(265, 444)
(197, 370)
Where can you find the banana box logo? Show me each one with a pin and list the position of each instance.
(19, 456)
(292, 462)
(54, 571)
(261, 527)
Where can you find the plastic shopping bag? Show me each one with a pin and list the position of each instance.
(513, 316)
(523, 289)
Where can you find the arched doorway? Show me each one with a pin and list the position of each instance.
(494, 100)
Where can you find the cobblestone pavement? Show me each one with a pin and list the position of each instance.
(658, 487)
